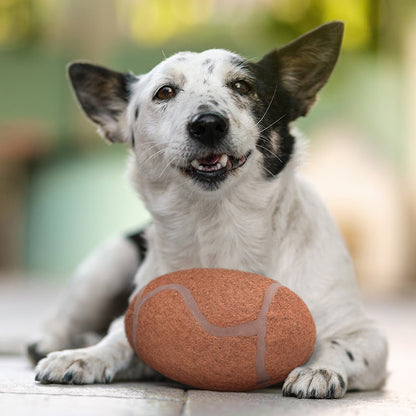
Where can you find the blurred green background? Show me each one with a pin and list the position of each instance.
(62, 189)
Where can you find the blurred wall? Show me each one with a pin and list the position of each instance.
(62, 189)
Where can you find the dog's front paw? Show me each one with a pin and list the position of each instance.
(82, 366)
(310, 383)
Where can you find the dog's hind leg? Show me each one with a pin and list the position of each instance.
(98, 293)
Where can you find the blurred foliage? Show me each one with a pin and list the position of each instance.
(18, 24)
(39, 37)
(155, 22)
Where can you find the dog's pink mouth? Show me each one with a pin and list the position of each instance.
(216, 163)
(212, 169)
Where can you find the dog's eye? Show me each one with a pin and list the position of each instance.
(242, 87)
(165, 92)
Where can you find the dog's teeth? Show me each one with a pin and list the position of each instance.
(223, 161)
(195, 164)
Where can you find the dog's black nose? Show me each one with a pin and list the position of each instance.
(208, 128)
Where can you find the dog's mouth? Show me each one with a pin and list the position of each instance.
(215, 167)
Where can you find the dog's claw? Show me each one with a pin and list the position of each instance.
(46, 378)
(68, 377)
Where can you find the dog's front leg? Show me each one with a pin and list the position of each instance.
(354, 361)
(98, 293)
(100, 363)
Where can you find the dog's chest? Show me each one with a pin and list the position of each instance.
(218, 235)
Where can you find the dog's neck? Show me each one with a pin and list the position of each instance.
(231, 229)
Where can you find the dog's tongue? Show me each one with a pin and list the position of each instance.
(210, 160)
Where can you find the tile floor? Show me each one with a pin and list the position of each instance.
(23, 305)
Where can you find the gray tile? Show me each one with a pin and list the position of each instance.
(17, 376)
(63, 405)
(206, 403)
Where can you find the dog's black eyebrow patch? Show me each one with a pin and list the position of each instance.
(350, 356)
(237, 61)
(140, 242)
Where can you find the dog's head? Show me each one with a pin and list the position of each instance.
(208, 119)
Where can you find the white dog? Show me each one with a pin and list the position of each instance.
(214, 158)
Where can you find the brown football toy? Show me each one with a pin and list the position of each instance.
(219, 329)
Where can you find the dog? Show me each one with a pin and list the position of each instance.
(214, 156)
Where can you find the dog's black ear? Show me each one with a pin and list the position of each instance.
(103, 95)
(304, 65)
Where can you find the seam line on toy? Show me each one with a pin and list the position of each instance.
(256, 327)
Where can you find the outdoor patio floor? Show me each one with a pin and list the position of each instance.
(23, 306)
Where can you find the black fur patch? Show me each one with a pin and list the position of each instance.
(287, 81)
(139, 240)
(136, 113)
(272, 109)
(350, 356)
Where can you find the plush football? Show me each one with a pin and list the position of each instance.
(219, 329)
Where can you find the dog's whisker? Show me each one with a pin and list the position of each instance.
(268, 171)
(273, 154)
(266, 149)
(154, 155)
(153, 144)
(150, 148)
(271, 125)
(166, 167)
(268, 107)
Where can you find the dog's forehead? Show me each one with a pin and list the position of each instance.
(219, 61)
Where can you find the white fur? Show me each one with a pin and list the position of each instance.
(278, 228)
